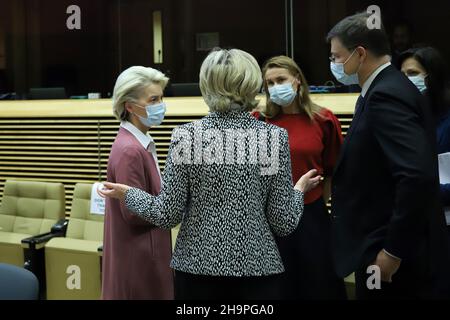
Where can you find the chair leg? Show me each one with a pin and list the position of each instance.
(35, 262)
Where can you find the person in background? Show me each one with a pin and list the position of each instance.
(387, 215)
(229, 202)
(427, 69)
(315, 141)
(401, 39)
(136, 253)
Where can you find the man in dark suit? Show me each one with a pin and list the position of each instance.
(388, 224)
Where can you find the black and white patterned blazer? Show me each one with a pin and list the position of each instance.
(229, 204)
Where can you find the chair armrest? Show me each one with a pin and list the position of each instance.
(60, 227)
(34, 253)
(39, 241)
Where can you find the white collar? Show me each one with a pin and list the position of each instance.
(372, 77)
(144, 139)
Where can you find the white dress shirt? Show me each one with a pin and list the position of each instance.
(145, 139)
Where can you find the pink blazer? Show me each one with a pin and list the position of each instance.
(136, 254)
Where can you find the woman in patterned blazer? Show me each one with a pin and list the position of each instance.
(228, 181)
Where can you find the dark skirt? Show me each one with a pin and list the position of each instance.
(307, 258)
(199, 287)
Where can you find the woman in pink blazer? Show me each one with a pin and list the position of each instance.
(136, 254)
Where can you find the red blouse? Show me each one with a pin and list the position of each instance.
(313, 145)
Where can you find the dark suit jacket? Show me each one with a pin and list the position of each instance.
(136, 254)
(385, 185)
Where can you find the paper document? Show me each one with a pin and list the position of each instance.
(97, 202)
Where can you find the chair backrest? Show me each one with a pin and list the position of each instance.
(83, 224)
(184, 90)
(17, 283)
(30, 207)
(47, 93)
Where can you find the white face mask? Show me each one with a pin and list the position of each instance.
(338, 70)
(419, 82)
(155, 114)
(282, 94)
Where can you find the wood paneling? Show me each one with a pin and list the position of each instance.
(69, 141)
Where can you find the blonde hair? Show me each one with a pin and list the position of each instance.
(303, 98)
(230, 79)
(130, 85)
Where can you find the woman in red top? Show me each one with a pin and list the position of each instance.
(315, 140)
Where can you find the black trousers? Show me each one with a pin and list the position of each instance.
(306, 254)
(197, 287)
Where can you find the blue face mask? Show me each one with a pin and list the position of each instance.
(282, 94)
(339, 73)
(419, 82)
(155, 114)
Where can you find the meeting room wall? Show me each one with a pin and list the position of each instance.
(40, 50)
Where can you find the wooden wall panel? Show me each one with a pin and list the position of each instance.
(70, 141)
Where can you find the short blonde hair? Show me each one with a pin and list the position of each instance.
(230, 79)
(130, 85)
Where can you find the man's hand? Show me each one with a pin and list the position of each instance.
(388, 265)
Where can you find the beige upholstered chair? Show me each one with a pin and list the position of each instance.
(174, 233)
(72, 263)
(350, 286)
(28, 208)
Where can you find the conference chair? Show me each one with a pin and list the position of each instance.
(17, 283)
(72, 263)
(28, 209)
